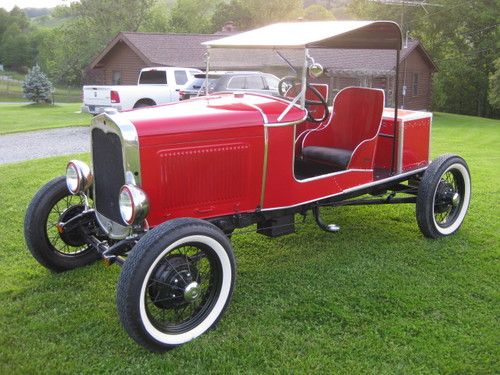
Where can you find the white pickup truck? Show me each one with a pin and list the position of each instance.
(155, 85)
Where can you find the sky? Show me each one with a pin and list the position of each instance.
(9, 4)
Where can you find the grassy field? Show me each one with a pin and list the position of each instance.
(375, 298)
(21, 117)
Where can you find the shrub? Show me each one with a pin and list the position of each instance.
(36, 86)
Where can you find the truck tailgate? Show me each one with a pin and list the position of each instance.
(96, 95)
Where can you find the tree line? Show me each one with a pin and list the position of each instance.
(461, 36)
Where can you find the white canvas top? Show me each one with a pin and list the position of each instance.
(317, 34)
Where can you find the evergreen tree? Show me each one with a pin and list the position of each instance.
(36, 86)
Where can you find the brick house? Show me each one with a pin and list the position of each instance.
(125, 55)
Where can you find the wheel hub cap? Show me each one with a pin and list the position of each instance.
(445, 197)
(192, 291)
(72, 237)
(175, 283)
(455, 200)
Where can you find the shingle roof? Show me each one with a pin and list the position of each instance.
(187, 50)
(171, 49)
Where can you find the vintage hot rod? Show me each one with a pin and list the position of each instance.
(169, 184)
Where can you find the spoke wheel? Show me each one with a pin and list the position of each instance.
(70, 242)
(53, 204)
(443, 197)
(182, 288)
(176, 283)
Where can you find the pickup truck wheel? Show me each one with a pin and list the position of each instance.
(144, 103)
(176, 283)
(52, 204)
(443, 196)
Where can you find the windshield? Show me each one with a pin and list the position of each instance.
(333, 68)
(267, 71)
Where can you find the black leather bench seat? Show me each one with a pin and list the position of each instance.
(337, 157)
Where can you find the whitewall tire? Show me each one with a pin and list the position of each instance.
(443, 196)
(176, 283)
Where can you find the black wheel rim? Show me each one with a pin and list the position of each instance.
(449, 198)
(166, 304)
(62, 210)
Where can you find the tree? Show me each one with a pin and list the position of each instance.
(65, 50)
(251, 14)
(16, 51)
(192, 16)
(36, 86)
(317, 12)
(109, 17)
(235, 11)
(158, 20)
(4, 21)
(90, 24)
(462, 39)
(494, 89)
(264, 12)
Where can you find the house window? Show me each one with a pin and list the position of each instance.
(117, 77)
(415, 84)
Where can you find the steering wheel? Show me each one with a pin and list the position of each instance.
(285, 84)
(321, 102)
(288, 82)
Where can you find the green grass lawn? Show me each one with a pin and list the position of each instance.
(375, 298)
(21, 117)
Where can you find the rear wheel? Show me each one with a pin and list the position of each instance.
(176, 283)
(53, 204)
(144, 103)
(443, 196)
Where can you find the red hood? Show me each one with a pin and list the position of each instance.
(214, 112)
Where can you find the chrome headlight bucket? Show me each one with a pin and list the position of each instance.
(134, 204)
(78, 176)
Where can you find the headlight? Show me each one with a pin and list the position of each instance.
(134, 205)
(78, 176)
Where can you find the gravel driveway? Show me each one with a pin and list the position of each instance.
(43, 144)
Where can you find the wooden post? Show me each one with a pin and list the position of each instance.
(396, 104)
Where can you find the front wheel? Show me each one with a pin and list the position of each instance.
(176, 283)
(53, 204)
(443, 196)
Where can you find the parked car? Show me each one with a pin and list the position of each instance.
(168, 185)
(242, 81)
(155, 85)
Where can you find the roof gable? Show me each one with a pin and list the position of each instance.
(120, 37)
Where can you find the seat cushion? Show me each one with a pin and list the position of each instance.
(337, 157)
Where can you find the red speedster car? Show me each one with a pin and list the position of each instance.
(169, 184)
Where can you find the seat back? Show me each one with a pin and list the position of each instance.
(357, 114)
